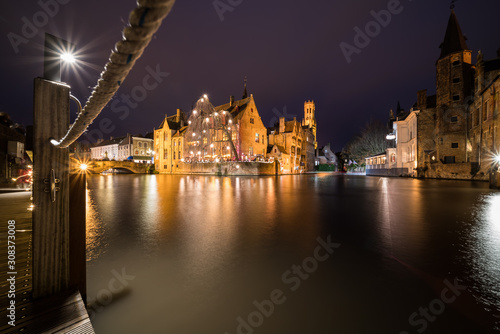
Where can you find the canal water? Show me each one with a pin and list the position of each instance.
(319, 254)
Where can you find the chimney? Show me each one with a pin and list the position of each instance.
(282, 125)
(231, 100)
(422, 99)
(178, 118)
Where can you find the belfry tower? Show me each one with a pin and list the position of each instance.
(310, 117)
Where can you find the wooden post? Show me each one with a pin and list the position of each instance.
(77, 232)
(50, 189)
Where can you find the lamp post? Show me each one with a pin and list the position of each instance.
(54, 207)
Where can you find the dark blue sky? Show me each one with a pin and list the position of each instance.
(290, 52)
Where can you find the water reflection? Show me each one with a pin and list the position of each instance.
(483, 250)
(205, 247)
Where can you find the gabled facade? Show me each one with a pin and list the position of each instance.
(298, 139)
(168, 142)
(252, 132)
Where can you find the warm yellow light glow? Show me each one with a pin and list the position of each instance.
(207, 119)
(211, 145)
(84, 167)
(194, 112)
(205, 96)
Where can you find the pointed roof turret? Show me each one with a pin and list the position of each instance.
(245, 93)
(454, 40)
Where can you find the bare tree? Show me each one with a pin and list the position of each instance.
(371, 141)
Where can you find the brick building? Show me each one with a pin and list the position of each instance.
(484, 119)
(297, 140)
(169, 142)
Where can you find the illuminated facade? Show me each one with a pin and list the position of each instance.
(169, 142)
(297, 140)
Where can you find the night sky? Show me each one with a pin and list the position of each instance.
(289, 50)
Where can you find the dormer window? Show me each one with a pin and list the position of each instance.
(456, 62)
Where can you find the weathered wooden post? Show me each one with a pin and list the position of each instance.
(51, 269)
(50, 189)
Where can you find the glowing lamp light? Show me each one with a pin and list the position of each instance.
(194, 112)
(202, 100)
(390, 136)
(205, 96)
(199, 152)
(207, 119)
(67, 57)
(227, 147)
(223, 112)
(216, 114)
(211, 145)
(230, 121)
(204, 131)
(497, 158)
(83, 167)
(189, 122)
(194, 134)
(237, 166)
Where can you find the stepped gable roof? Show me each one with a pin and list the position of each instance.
(454, 39)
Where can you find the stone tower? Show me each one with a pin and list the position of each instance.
(454, 87)
(310, 117)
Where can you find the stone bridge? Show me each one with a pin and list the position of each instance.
(97, 167)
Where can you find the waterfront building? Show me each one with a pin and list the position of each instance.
(137, 148)
(169, 142)
(297, 139)
(252, 134)
(484, 120)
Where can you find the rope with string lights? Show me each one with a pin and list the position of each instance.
(144, 21)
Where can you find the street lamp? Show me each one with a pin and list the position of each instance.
(56, 50)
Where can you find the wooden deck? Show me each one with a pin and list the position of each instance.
(61, 313)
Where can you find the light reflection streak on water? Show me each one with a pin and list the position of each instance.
(484, 250)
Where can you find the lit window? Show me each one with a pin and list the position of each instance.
(256, 137)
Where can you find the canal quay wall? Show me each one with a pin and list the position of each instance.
(228, 168)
